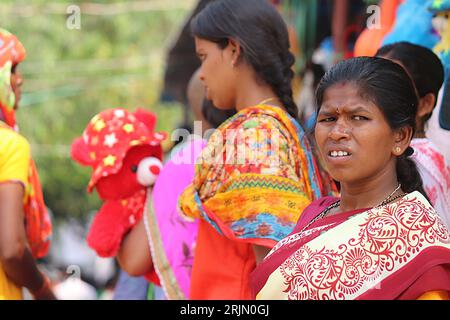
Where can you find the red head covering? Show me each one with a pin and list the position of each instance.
(12, 52)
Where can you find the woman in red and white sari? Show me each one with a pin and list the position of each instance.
(381, 239)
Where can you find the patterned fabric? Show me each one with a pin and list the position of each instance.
(12, 52)
(254, 177)
(435, 173)
(376, 254)
(108, 137)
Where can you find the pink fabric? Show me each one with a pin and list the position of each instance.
(435, 173)
(178, 235)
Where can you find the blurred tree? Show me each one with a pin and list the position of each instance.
(115, 59)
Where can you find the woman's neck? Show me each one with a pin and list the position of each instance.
(368, 194)
(420, 129)
(251, 92)
(420, 134)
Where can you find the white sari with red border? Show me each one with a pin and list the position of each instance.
(377, 254)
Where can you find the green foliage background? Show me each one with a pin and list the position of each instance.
(114, 60)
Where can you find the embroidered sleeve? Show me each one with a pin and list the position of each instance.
(256, 193)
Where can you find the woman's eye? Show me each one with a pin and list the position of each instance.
(327, 119)
(134, 168)
(358, 118)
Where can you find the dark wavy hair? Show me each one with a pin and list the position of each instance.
(422, 64)
(262, 35)
(391, 89)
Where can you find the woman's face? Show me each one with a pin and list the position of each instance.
(217, 73)
(16, 85)
(353, 137)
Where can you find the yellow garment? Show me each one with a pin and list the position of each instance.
(434, 295)
(14, 166)
(14, 157)
(8, 291)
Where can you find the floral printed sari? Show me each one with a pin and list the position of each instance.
(398, 251)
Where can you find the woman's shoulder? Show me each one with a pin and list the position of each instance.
(12, 140)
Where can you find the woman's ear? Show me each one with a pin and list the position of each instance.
(235, 49)
(426, 105)
(403, 137)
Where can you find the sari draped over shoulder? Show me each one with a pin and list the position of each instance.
(252, 181)
(398, 251)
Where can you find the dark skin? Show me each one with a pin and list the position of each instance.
(352, 124)
(349, 123)
(15, 254)
(16, 85)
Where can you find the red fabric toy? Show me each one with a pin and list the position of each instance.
(125, 154)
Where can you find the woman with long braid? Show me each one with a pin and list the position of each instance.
(257, 172)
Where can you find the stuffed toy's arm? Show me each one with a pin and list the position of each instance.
(108, 229)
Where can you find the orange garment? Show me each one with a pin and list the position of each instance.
(434, 295)
(371, 40)
(221, 267)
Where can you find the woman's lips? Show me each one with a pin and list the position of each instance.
(338, 155)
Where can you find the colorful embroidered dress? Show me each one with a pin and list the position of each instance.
(252, 181)
(398, 251)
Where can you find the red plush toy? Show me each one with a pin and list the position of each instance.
(125, 154)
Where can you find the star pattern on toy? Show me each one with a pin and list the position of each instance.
(128, 128)
(99, 125)
(109, 160)
(94, 141)
(119, 113)
(110, 140)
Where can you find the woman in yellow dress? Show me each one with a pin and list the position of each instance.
(25, 226)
